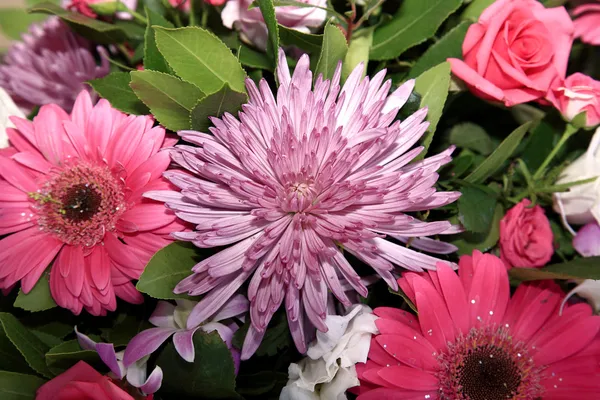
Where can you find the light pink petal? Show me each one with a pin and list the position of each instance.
(144, 343)
(184, 344)
(163, 315)
(587, 240)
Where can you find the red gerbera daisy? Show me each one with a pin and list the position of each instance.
(71, 193)
(471, 341)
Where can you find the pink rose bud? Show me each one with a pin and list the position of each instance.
(515, 51)
(93, 8)
(526, 239)
(587, 23)
(578, 93)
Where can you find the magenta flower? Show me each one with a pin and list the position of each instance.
(171, 320)
(71, 196)
(296, 182)
(135, 373)
(50, 66)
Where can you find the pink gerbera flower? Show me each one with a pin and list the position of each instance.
(471, 341)
(296, 182)
(71, 195)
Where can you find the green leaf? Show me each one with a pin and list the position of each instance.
(474, 10)
(15, 386)
(62, 357)
(153, 60)
(461, 164)
(539, 145)
(211, 375)
(414, 22)
(10, 358)
(115, 88)
(96, 30)
(268, 12)
(467, 242)
(304, 41)
(491, 164)
(48, 339)
(169, 98)
(38, 299)
(276, 338)
(580, 268)
(476, 209)
(32, 348)
(166, 268)
(15, 21)
(199, 57)
(254, 59)
(433, 85)
(358, 52)
(215, 105)
(471, 136)
(333, 51)
(449, 46)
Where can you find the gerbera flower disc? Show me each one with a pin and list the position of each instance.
(472, 341)
(296, 182)
(71, 195)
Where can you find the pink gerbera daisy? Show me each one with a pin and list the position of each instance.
(71, 195)
(472, 341)
(296, 182)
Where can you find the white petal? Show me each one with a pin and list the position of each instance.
(7, 109)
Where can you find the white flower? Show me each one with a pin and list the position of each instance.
(7, 109)
(329, 370)
(581, 204)
(589, 289)
(252, 26)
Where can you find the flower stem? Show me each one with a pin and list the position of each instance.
(570, 130)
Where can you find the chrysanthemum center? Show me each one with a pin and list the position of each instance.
(487, 365)
(80, 203)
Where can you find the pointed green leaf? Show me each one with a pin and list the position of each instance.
(476, 209)
(10, 358)
(115, 88)
(491, 164)
(580, 268)
(475, 8)
(169, 98)
(333, 51)
(471, 136)
(304, 41)
(268, 12)
(467, 242)
(199, 57)
(15, 21)
(38, 299)
(254, 59)
(15, 386)
(358, 52)
(153, 60)
(32, 348)
(210, 376)
(414, 22)
(96, 30)
(167, 268)
(215, 105)
(433, 85)
(449, 46)
(63, 356)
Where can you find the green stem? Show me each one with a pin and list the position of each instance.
(192, 13)
(138, 17)
(570, 130)
(205, 10)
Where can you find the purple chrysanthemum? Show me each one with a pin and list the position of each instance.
(297, 181)
(50, 66)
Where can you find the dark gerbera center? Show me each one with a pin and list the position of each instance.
(81, 202)
(489, 373)
(487, 365)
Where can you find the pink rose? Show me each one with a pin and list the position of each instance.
(587, 24)
(252, 26)
(515, 51)
(525, 236)
(81, 382)
(576, 94)
(85, 7)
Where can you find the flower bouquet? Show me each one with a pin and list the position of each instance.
(300, 200)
